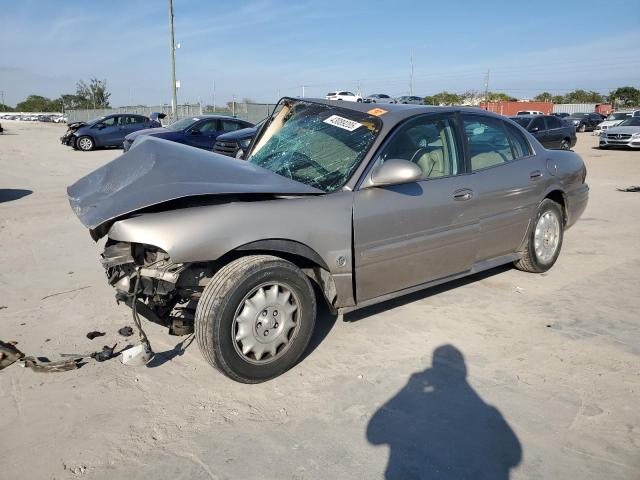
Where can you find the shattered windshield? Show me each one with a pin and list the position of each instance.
(316, 144)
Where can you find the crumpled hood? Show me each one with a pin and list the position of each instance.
(157, 171)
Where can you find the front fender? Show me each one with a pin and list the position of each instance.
(206, 233)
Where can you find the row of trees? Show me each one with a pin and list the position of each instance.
(91, 95)
(620, 97)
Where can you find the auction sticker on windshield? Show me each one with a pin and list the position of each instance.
(343, 123)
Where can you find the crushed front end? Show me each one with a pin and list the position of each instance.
(164, 292)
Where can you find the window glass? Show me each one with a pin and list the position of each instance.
(520, 145)
(488, 143)
(553, 122)
(537, 124)
(110, 122)
(136, 120)
(208, 126)
(429, 143)
(230, 125)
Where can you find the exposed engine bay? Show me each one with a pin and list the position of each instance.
(164, 292)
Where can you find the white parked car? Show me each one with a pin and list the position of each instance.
(627, 134)
(343, 95)
(614, 120)
(60, 119)
(379, 98)
(529, 112)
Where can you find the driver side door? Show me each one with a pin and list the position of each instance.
(418, 232)
(107, 131)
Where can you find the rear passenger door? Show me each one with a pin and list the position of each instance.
(538, 129)
(417, 232)
(508, 178)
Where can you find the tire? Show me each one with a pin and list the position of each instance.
(538, 261)
(85, 143)
(582, 128)
(603, 147)
(565, 144)
(221, 319)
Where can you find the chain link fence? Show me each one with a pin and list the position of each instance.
(251, 112)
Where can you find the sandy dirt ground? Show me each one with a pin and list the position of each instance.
(501, 375)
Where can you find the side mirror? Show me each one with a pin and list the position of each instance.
(534, 129)
(195, 131)
(101, 126)
(393, 172)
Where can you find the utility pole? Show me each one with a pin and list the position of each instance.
(486, 89)
(214, 96)
(411, 76)
(233, 107)
(303, 87)
(2, 95)
(172, 55)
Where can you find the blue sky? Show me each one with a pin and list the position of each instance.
(264, 48)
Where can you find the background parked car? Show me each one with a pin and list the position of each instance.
(235, 144)
(612, 120)
(584, 122)
(410, 99)
(627, 134)
(200, 132)
(560, 114)
(108, 131)
(550, 131)
(379, 98)
(530, 112)
(344, 95)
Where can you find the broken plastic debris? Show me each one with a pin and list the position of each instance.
(95, 334)
(103, 355)
(137, 356)
(126, 331)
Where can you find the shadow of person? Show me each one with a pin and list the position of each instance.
(437, 427)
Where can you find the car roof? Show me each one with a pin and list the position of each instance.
(219, 117)
(395, 112)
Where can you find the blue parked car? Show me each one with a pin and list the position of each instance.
(107, 131)
(200, 131)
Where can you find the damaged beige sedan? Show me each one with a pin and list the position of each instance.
(344, 204)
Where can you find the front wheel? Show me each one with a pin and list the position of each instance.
(582, 128)
(85, 144)
(565, 145)
(255, 318)
(545, 239)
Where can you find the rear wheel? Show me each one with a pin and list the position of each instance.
(255, 318)
(85, 143)
(545, 239)
(582, 128)
(565, 145)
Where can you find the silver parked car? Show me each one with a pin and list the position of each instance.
(378, 98)
(410, 100)
(338, 203)
(626, 134)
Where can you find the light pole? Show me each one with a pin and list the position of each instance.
(172, 55)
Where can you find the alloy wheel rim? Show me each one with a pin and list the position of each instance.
(265, 323)
(84, 143)
(547, 236)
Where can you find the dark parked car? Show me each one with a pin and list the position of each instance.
(584, 122)
(200, 131)
(560, 114)
(235, 144)
(550, 131)
(107, 131)
(336, 203)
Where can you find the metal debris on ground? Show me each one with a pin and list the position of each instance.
(61, 366)
(95, 334)
(9, 354)
(633, 188)
(126, 331)
(105, 354)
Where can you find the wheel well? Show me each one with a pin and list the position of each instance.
(558, 197)
(302, 256)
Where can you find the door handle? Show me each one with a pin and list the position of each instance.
(537, 175)
(463, 195)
